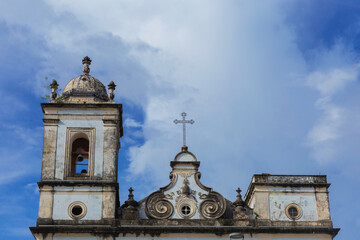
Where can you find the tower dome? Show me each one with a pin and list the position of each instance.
(86, 88)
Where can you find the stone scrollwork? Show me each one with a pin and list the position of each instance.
(213, 206)
(157, 207)
(202, 196)
(170, 195)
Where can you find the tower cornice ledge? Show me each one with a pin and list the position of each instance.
(82, 105)
(292, 181)
(158, 230)
(97, 183)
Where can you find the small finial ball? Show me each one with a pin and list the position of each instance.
(86, 60)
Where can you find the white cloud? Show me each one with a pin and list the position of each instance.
(327, 127)
(331, 82)
(33, 187)
(325, 137)
(129, 122)
(228, 64)
(202, 57)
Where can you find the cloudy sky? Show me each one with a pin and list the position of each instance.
(273, 87)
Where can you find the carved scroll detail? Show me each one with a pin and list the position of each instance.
(157, 207)
(170, 195)
(213, 207)
(185, 174)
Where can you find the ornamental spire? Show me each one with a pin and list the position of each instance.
(239, 201)
(86, 61)
(131, 201)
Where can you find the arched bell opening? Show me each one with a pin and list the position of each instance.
(79, 156)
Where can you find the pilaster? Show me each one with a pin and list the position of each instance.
(49, 149)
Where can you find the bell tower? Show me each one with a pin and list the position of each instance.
(82, 130)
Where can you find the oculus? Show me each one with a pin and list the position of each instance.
(77, 210)
(293, 211)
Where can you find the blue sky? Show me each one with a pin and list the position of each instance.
(273, 87)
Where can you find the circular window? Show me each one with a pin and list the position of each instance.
(185, 210)
(293, 211)
(77, 210)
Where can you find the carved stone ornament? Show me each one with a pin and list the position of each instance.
(213, 206)
(209, 204)
(170, 195)
(186, 200)
(185, 174)
(157, 207)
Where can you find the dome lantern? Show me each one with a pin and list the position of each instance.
(85, 88)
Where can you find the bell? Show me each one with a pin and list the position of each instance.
(79, 158)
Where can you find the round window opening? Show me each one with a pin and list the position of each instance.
(77, 210)
(293, 211)
(185, 210)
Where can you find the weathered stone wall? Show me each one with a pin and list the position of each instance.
(279, 201)
(46, 202)
(270, 195)
(49, 149)
(57, 189)
(111, 144)
(90, 196)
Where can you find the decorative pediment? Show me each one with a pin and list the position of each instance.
(185, 197)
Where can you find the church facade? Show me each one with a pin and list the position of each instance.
(79, 189)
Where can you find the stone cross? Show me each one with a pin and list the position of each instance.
(183, 121)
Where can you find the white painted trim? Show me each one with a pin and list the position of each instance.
(80, 112)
